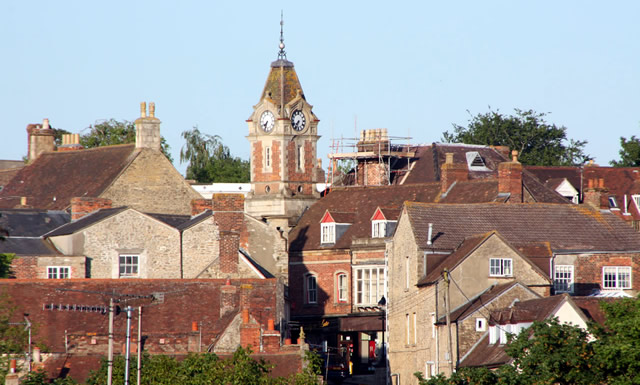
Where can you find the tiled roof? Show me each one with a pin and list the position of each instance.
(480, 301)
(429, 159)
(528, 311)
(363, 201)
(549, 174)
(486, 355)
(453, 259)
(55, 177)
(31, 223)
(566, 227)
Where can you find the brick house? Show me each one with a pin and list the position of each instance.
(135, 175)
(562, 248)
(178, 317)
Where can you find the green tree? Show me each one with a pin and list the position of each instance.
(629, 153)
(617, 344)
(5, 265)
(110, 132)
(537, 142)
(13, 338)
(210, 160)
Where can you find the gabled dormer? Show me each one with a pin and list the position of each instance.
(383, 222)
(333, 225)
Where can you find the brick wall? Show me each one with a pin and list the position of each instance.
(259, 173)
(588, 271)
(81, 206)
(200, 205)
(452, 172)
(25, 267)
(300, 178)
(510, 180)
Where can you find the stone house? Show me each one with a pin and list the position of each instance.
(135, 175)
(548, 248)
(489, 350)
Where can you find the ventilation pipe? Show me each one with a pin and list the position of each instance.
(430, 234)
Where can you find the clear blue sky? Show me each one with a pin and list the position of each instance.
(411, 67)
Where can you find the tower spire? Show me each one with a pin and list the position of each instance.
(282, 55)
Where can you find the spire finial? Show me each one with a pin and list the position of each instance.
(281, 54)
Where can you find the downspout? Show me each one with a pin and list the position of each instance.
(435, 325)
(181, 256)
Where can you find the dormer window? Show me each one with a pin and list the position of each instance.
(475, 161)
(613, 203)
(328, 233)
(378, 229)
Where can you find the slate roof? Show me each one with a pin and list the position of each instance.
(566, 227)
(55, 177)
(172, 220)
(31, 223)
(27, 246)
(85, 221)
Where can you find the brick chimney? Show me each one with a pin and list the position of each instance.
(594, 193)
(70, 142)
(228, 213)
(200, 205)
(148, 128)
(371, 171)
(451, 172)
(40, 139)
(81, 206)
(510, 179)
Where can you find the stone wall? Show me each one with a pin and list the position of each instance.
(151, 184)
(200, 244)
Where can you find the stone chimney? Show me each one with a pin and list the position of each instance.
(510, 179)
(451, 172)
(148, 128)
(40, 139)
(594, 193)
(70, 142)
(228, 214)
(81, 206)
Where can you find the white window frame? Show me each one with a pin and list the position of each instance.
(500, 267)
(342, 287)
(58, 272)
(311, 289)
(300, 157)
(481, 324)
(328, 233)
(430, 369)
(408, 327)
(132, 267)
(379, 229)
(369, 285)
(617, 271)
(563, 278)
(267, 157)
(415, 328)
(493, 334)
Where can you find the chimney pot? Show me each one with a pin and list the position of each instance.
(270, 325)
(514, 155)
(143, 109)
(590, 183)
(45, 124)
(194, 326)
(449, 158)
(601, 183)
(245, 316)
(152, 109)
(12, 366)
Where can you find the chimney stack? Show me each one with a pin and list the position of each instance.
(40, 139)
(510, 179)
(594, 193)
(451, 172)
(81, 206)
(70, 142)
(228, 214)
(148, 128)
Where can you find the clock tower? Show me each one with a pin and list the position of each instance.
(283, 134)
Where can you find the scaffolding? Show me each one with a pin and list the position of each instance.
(373, 147)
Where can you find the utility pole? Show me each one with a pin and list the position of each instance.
(447, 304)
(110, 351)
(139, 343)
(128, 346)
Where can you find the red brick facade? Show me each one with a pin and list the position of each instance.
(510, 180)
(259, 173)
(589, 271)
(200, 205)
(301, 178)
(25, 267)
(81, 206)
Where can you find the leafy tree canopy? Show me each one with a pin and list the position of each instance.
(629, 153)
(110, 132)
(210, 160)
(537, 142)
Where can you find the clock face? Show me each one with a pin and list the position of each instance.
(298, 121)
(267, 120)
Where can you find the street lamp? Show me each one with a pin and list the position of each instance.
(383, 305)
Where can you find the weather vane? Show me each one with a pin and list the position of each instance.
(281, 54)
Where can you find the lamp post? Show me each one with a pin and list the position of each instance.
(383, 305)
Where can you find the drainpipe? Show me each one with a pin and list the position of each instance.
(181, 256)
